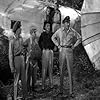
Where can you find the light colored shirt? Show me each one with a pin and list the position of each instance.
(15, 48)
(57, 17)
(60, 37)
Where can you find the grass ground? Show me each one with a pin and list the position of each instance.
(86, 82)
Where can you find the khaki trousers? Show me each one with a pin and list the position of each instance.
(31, 74)
(20, 73)
(47, 63)
(66, 55)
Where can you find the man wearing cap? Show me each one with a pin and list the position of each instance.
(16, 60)
(66, 39)
(33, 56)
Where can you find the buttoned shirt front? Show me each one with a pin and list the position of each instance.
(62, 38)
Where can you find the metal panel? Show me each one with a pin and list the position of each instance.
(90, 28)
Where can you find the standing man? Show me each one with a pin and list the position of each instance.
(33, 56)
(56, 18)
(47, 47)
(16, 60)
(66, 39)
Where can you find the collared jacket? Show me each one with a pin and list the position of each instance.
(60, 37)
(15, 48)
(45, 41)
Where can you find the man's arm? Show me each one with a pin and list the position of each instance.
(40, 41)
(11, 55)
(55, 38)
(79, 39)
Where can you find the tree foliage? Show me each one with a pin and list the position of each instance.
(76, 4)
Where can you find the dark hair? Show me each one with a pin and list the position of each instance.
(66, 19)
(46, 22)
(16, 26)
(57, 4)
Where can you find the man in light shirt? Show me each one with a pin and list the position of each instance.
(16, 61)
(66, 39)
(56, 18)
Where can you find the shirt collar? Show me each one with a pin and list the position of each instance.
(67, 30)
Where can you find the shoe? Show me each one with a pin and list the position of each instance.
(72, 95)
(51, 86)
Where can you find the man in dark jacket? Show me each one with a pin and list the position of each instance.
(47, 47)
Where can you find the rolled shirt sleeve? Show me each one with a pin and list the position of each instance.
(55, 38)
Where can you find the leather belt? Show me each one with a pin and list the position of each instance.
(65, 46)
(57, 22)
(20, 54)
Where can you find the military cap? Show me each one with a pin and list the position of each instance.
(66, 19)
(16, 26)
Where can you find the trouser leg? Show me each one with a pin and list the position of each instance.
(51, 67)
(16, 75)
(69, 58)
(34, 73)
(61, 65)
(44, 67)
(28, 75)
(23, 77)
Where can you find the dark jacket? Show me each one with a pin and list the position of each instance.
(45, 41)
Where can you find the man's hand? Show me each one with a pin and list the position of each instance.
(59, 47)
(12, 70)
(72, 47)
(55, 48)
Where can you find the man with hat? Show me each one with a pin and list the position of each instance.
(66, 39)
(33, 57)
(16, 60)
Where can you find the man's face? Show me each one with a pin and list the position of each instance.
(47, 11)
(33, 32)
(18, 32)
(66, 25)
(47, 27)
(55, 7)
